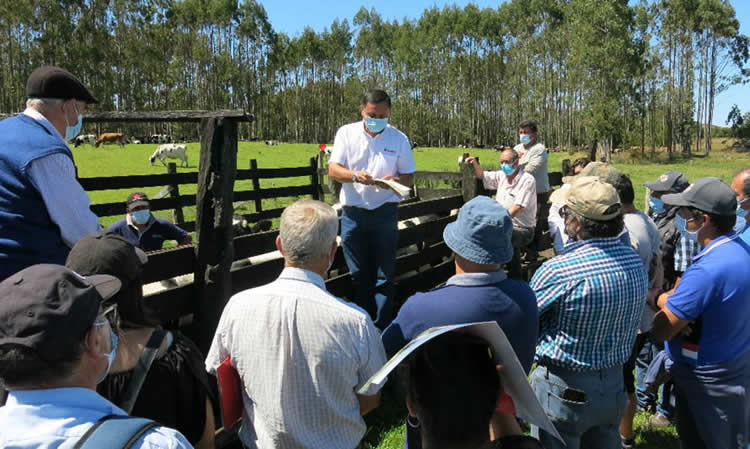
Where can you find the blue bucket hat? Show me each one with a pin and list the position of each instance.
(481, 233)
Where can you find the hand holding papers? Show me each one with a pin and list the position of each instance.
(512, 377)
(400, 189)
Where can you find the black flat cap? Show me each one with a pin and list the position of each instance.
(49, 307)
(56, 82)
(710, 195)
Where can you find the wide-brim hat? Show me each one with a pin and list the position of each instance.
(481, 233)
(589, 197)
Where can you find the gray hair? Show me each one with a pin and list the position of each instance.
(513, 154)
(308, 229)
(41, 104)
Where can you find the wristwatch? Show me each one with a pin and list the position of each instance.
(355, 178)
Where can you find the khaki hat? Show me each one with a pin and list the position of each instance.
(589, 197)
(606, 172)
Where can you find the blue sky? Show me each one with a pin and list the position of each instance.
(292, 16)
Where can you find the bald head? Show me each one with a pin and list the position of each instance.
(509, 156)
(741, 187)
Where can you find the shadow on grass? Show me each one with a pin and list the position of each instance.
(653, 438)
(385, 424)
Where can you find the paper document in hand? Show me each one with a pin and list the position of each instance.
(400, 189)
(512, 378)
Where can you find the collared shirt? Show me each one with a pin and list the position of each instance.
(590, 299)
(385, 154)
(467, 298)
(557, 225)
(716, 289)
(301, 354)
(59, 417)
(54, 176)
(152, 237)
(534, 162)
(521, 192)
(684, 252)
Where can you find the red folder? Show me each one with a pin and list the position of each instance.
(230, 393)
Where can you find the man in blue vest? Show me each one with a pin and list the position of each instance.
(44, 211)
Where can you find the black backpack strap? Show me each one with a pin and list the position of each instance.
(141, 369)
(115, 432)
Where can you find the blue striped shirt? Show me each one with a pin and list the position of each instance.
(590, 298)
(684, 252)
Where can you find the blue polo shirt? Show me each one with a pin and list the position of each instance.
(153, 237)
(468, 298)
(745, 234)
(715, 288)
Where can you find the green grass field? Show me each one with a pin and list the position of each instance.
(386, 429)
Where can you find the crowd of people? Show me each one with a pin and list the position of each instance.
(637, 310)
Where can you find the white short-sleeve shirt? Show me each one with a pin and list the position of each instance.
(386, 154)
(301, 354)
(522, 192)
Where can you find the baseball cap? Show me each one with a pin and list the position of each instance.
(110, 253)
(56, 82)
(671, 181)
(710, 195)
(49, 307)
(589, 197)
(606, 172)
(136, 199)
(481, 232)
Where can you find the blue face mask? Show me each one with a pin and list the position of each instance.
(507, 168)
(376, 125)
(742, 213)
(141, 216)
(656, 205)
(72, 131)
(112, 354)
(681, 225)
(525, 139)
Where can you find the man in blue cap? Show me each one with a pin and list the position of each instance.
(704, 321)
(480, 291)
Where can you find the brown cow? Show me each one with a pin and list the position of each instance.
(110, 138)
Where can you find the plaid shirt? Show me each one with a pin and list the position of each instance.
(590, 298)
(684, 251)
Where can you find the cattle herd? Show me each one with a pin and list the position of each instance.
(122, 139)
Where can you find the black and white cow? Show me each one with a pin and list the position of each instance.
(170, 151)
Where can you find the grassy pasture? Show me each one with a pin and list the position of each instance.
(386, 427)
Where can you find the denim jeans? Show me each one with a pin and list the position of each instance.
(664, 401)
(369, 240)
(589, 424)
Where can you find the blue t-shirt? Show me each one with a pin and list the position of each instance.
(745, 234)
(716, 288)
(153, 237)
(467, 298)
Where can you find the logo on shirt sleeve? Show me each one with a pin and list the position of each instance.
(389, 151)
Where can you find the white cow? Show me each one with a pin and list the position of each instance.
(170, 151)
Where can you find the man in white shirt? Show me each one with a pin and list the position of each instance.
(534, 161)
(44, 211)
(516, 192)
(365, 151)
(300, 352)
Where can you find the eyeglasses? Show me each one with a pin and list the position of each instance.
(109, 315)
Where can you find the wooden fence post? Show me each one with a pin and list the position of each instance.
(321, 178)
(256, 185)
(174, 191)
(314, 179)
(468, 182)
(214, 208)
